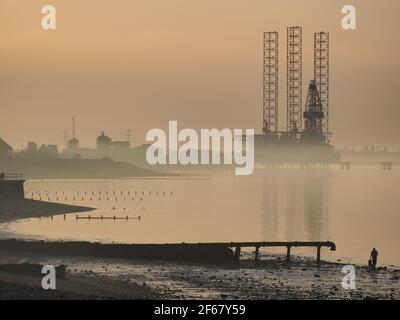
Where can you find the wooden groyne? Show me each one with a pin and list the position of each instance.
(90, 217)
(214, 253)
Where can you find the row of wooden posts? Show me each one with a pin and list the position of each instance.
(83, 199)
(164, 193)
(46, 195)
(346, 165)
(90, 217)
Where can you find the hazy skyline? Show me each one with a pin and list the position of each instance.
(121, 64)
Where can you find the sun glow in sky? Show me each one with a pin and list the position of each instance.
(138, 64)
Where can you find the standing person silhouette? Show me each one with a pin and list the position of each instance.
(374, 258)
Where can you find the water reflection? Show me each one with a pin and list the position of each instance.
(293, 203)
(295, 207)
(315, 195)
(357, 209)
(269, 206)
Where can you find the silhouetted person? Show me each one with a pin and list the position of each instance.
(2, 176)
(374, 258)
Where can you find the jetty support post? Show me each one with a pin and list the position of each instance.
(256, 255)
(288, 253)
(318, 254)
(237, 255)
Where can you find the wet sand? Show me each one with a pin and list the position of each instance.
(74, 287)
(19, 208)
(10, 289)
(271, 278)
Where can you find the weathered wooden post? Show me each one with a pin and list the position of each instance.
(288, 254)
(256, 256)
(318, 254)
(237, 255)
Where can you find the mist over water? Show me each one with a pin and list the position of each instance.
(357, 209)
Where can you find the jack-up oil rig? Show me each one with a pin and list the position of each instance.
(297, 144)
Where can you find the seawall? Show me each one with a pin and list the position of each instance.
(204, 253)
(12, 188)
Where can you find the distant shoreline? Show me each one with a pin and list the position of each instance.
(75, 169)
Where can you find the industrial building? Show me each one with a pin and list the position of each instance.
(105, 143)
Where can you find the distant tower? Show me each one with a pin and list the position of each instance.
(294, 79)
(313, 115)
(129, 136)
(73, 127)
(270, 86)
(74, 142)
(65, 138)
(321, 75)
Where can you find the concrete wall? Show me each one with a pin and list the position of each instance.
(10, 188)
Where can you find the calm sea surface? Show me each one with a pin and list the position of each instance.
(357, 209)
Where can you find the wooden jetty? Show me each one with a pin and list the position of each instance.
(213, 253)
(288, 245)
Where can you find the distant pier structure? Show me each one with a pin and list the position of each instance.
(346, 165)
(387, 165)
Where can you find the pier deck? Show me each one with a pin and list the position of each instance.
(288, 245)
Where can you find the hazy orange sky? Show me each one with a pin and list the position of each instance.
(122, 64)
